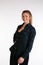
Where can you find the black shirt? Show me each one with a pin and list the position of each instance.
(23, 41)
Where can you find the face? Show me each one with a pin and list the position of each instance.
(26, 17)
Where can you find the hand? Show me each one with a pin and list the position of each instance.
(20, 60)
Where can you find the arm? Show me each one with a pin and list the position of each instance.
(15, 34)
(30, 43)
(14, 37)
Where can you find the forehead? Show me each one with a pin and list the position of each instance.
(26, 13)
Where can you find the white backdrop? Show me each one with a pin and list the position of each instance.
(10, 18)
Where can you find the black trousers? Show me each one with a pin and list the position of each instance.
(14, 58)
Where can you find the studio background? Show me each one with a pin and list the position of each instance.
(10, 18)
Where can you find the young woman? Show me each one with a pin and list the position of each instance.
(23, 40)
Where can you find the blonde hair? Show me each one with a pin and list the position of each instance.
(27, 11)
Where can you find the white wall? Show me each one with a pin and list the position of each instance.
(10, 18)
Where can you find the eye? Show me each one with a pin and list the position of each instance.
(22, 16)
(26, 16)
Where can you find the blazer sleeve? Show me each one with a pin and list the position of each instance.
(30, 43)
(14, 37)
(15, 34)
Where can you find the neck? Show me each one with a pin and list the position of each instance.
(25, 23)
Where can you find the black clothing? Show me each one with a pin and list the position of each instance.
(23, 41)
(13, 60)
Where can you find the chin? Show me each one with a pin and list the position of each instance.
(25, 21)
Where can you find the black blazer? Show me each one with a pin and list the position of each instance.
(23, 41)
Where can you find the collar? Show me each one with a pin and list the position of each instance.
(27, 25)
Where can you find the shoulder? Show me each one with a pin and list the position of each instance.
(33, 29)
(19, 25)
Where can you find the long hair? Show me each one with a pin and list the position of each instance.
(27, 11)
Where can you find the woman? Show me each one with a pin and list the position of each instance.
(23, 40)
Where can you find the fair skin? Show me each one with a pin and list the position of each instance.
(25, 18)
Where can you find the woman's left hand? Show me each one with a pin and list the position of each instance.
(20, 60)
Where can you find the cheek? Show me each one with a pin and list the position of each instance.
(27, 18)
(24, 18)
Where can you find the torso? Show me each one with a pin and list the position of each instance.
(22, 28)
